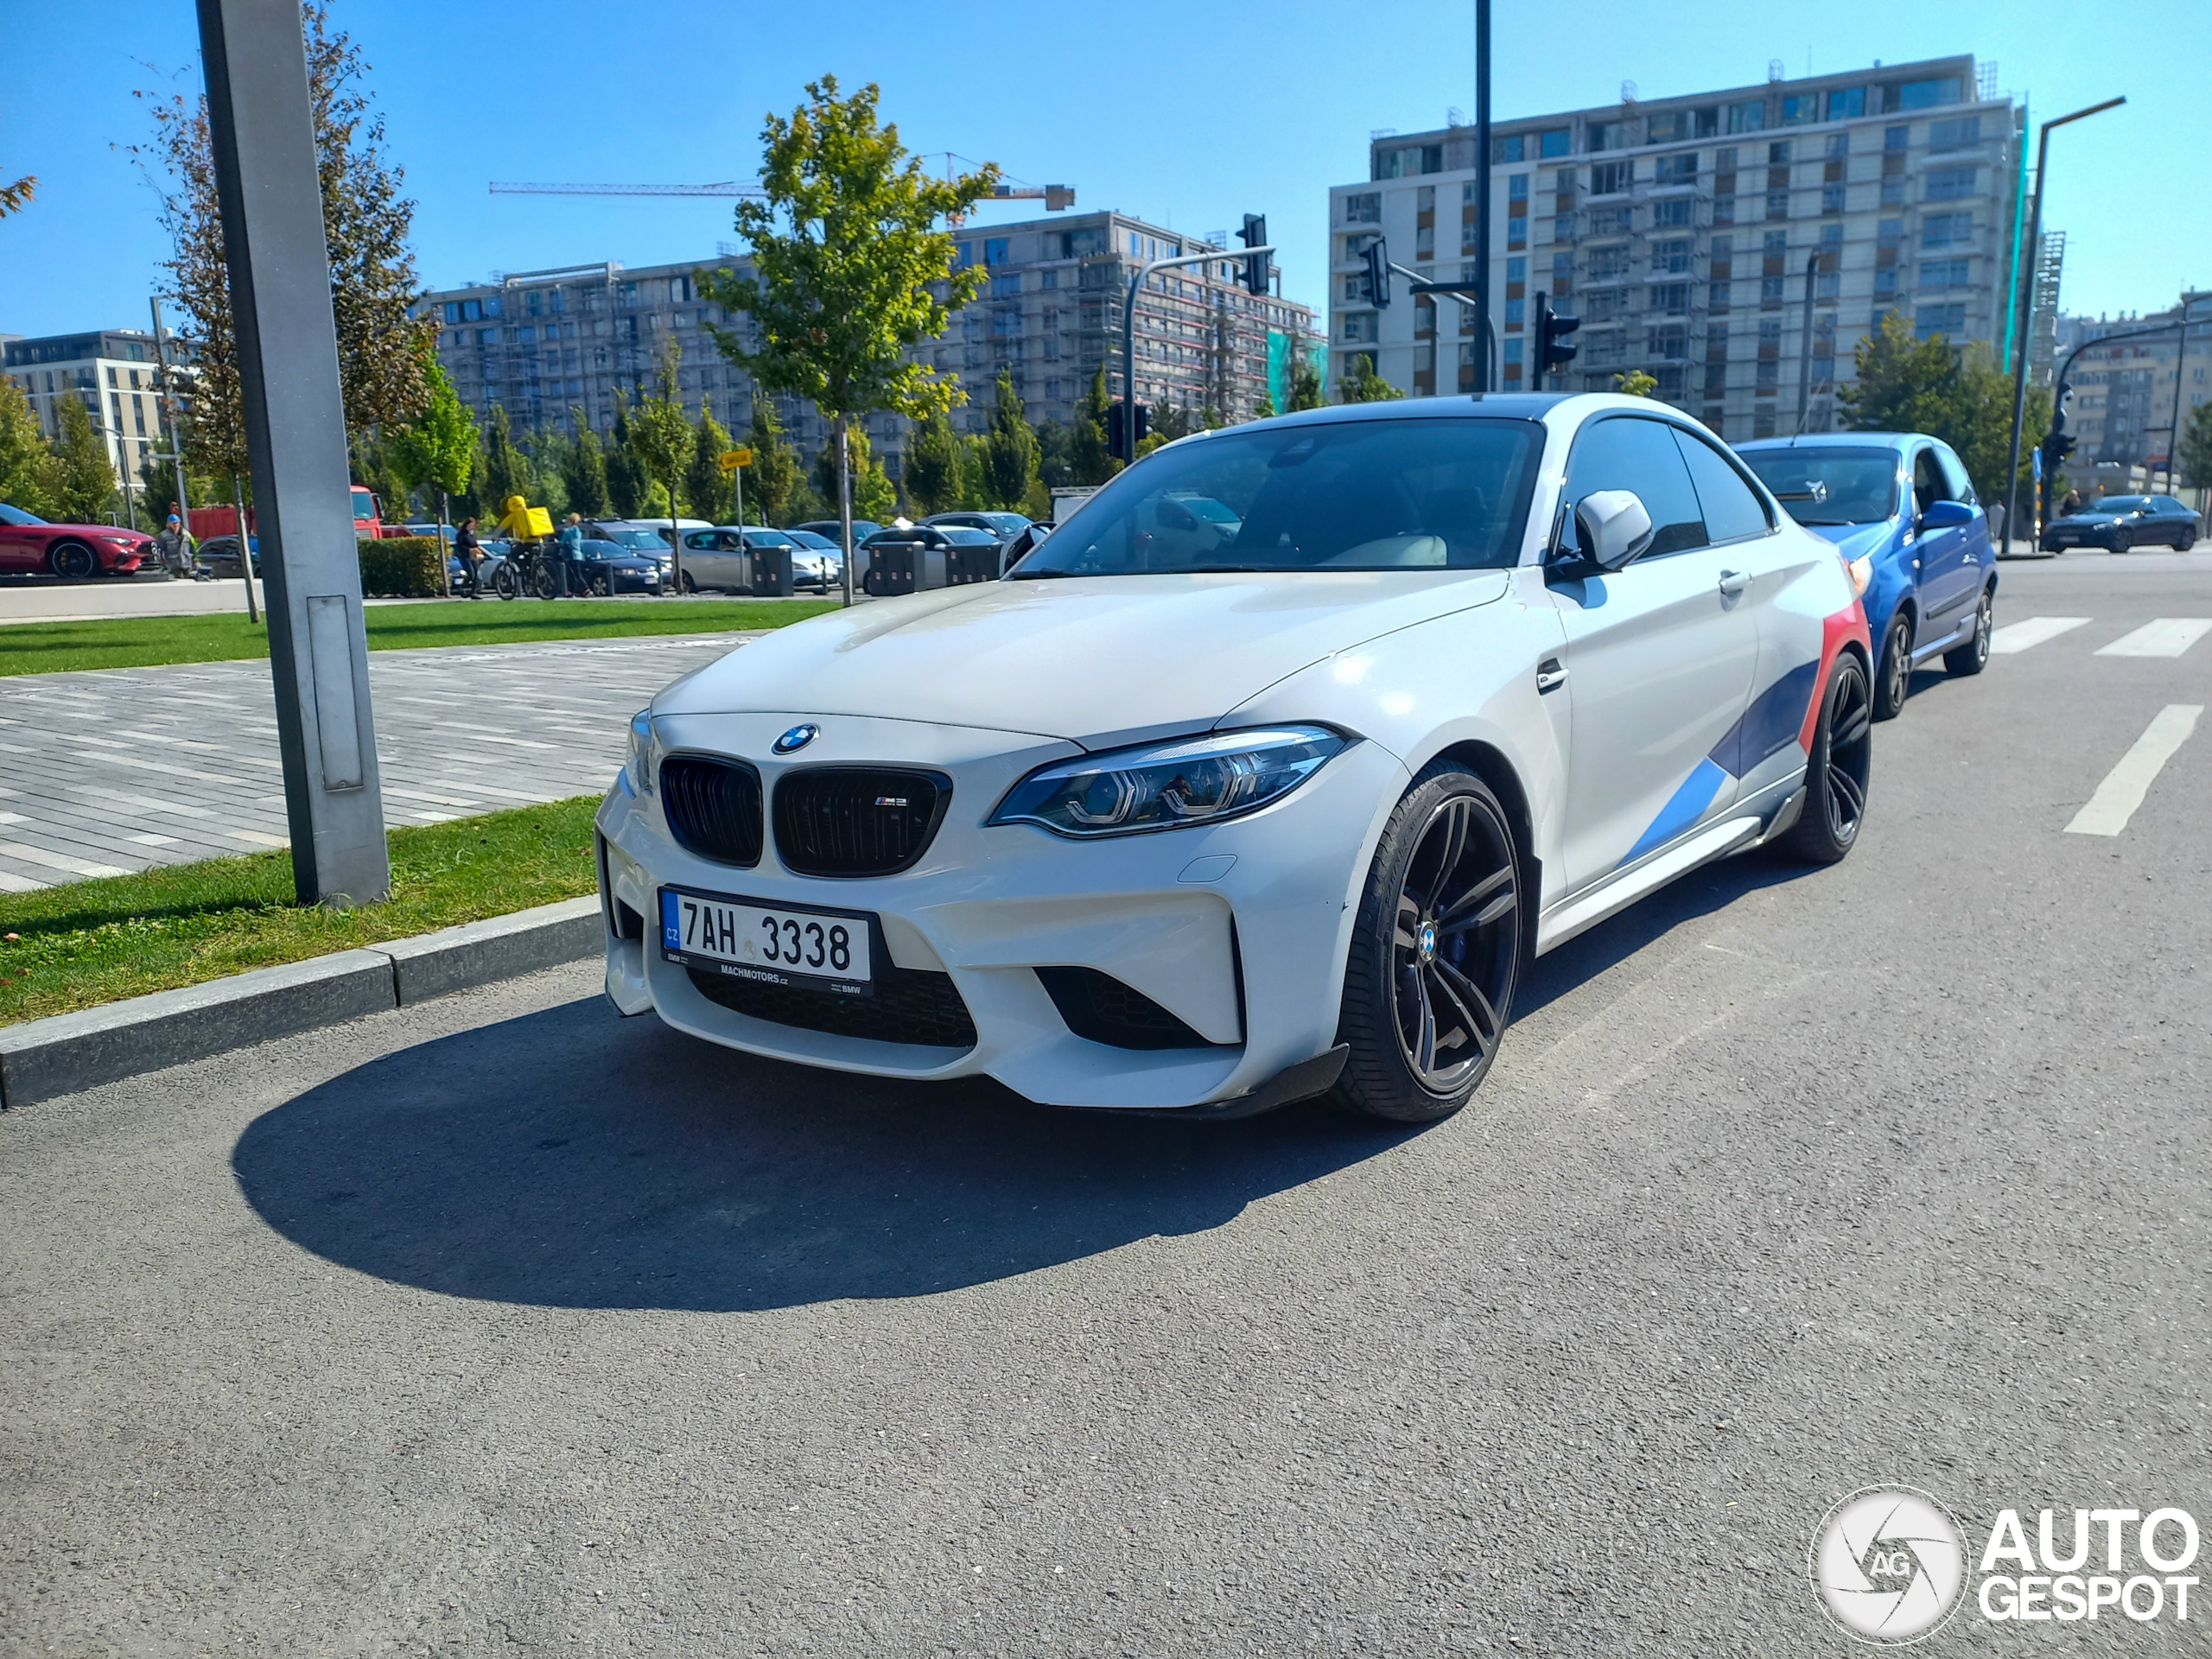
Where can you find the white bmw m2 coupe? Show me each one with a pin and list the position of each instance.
(1263, 777)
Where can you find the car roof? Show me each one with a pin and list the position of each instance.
(1839, 440)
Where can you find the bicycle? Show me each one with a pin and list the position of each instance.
(526, 569)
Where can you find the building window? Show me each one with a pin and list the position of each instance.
(1724, 210)
(1825, 284)
(1363, 208)
(1777, 204)
(1006, 287)
(1846, 103)
(1800, 109)
(1424, 241)
(1902, 95)
(1516, 270)
(1516, 231)
(1359, 326)
(1945, 230)
(994, 250)
(1670, 341)
(1563, 228)
(1951, 183)
(1609, 221)
(1719, 300)
(1514, 147)
(1678, 126)
(1748, 117)
(1956, 134)
(1677, 169)
(1517, 313)
(1672, 256)
(1839, 146)
(1424, 199)
(1611, 178)
(1608, 135)
(1770, 290)
(1682, 210)
(1513, 350)
(1831, 199)
(1946, 273)
(1886, 283)
(1670, 298)
(1777, 153)
(1947, 320)
(1559, 140)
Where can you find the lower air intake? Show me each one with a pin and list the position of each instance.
(1101, 1008)
(910, 1006)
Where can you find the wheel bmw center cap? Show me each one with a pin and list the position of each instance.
(797, 738)
(1428, 941)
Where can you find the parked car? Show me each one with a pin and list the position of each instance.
(1158, 822)
(219, 557)
(720, 557)
(2117, 523)
(1900, 508)
(1004, 525)
(817, 566)
(30, 544)
(638, 538)
(609, 568)
(834, 532)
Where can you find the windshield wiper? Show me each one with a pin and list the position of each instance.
(1019, 575)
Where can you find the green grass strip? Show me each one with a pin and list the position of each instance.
(87, 942)
(152, 641)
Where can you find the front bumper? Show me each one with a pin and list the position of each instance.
(1238, 929)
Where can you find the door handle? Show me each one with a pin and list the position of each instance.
(1551, 674)
(1733, 582)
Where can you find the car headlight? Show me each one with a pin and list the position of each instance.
(1169, 786)
(643, 758)
(1861, 572)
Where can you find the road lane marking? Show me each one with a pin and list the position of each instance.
(2168, 636)
(2031, 631)
(2106, 812)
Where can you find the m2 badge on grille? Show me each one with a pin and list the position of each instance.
(813, 950)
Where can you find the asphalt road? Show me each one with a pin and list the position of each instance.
(499, 1325)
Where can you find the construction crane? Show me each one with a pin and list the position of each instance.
(1055, 197)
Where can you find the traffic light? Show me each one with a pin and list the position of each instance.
(1554, 351)
(1116, 418)
(1378, 271)
(1255, 235)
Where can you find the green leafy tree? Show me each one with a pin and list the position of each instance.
(1635, 383)
(851, 270)
(1306, 385)
(933, 471)
(1054, 469)
(14, 196)
(506, 467)
(661, 434)
(773, 475)
(2197, 447)
(84, 477)
(1170, 422)
(583, 470)
(709, 487)
(625, 474)
(29, 476)
(975, 475)
(874, 496)
(373, 470)
(1267, 407)
(1364, 385)
(436, 452)
(1905, 384)
(1088, 460)
(1010, 449)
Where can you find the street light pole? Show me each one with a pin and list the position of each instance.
(1484, 340)
(1805, 348)
(1129, 331)
(2029, 256)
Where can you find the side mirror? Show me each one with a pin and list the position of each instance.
(1018, 545)
(1614, 527)
(1945, 515)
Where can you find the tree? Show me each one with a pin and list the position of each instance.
(84, 476)
(2197, 447)
(1087, 457)
(933, 471)
(1635, 383)
(381, 350)
(1909, 384)
(661, 434)
(1306, 388)
(28, 474)
(373, 470)
(437, 451)
(1171, 421)
(625, 476)
(1267, 407)
(707, 486)
(774, 472)
(1053, 467)
(1010, 448)
(506, 469)
(851, 271)
(874, 494)
(16, 195)
(1364, 385)
(585, 471)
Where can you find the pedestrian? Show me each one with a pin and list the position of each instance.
(2071, 505)
(173, 547)
(470, 551)
(572, 552)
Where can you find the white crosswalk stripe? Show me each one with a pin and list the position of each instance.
(2106, 812)
(2031, 631)
(2168, 636)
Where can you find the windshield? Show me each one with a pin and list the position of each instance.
(1350, 495)
(16, 516)
(651, 540)
(2122, 504)
(768, 538)
(364, 504)
(1829, 487)
(807, 539)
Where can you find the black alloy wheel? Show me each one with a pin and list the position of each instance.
(1838, 770)
(74, 562)
(2123, 539)
(1974, 656)
(1436, 952)
(1896, 669)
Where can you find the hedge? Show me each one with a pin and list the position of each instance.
(402, 567)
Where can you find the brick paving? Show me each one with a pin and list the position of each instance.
(118, 769)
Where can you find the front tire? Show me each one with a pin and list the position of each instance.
(1435, 952)
(505, 583)
(1974, 656)
(2123, 541)
(1837, 771)
(1895, 685)
(74, 562)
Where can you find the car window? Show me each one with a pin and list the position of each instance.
(1626, 452)
(1928, 485)
(1842, 484)
(1732, 510)
(1427, 492)
(1956, 485)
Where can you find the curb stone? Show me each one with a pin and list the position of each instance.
(40, 1059)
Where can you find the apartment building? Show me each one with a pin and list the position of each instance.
(113, 372)
(542, 343)
(1681, 231)
(2124, 405)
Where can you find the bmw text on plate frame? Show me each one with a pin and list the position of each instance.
(1889, 1565)
(1265, 775)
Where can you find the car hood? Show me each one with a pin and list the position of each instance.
(2087, 520)
(93, 530)
(1096, 660)
(1856, 540)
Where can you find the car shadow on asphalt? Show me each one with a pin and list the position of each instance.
(571, 1158)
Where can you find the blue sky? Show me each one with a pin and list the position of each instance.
(1192, 114)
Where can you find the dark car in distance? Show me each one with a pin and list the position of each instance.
(219, 557)
(2120, 521)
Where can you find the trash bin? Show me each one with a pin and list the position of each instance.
(772, 572)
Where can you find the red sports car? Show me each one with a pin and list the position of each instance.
(29, 543)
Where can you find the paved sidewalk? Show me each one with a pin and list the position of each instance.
(119, 769)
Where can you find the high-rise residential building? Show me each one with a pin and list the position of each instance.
(113, 372)
(1681, 231)
(542, 343)
(2125, 407)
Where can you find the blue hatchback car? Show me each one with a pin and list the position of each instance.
(1901, 510)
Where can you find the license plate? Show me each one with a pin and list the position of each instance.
(823, 951)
